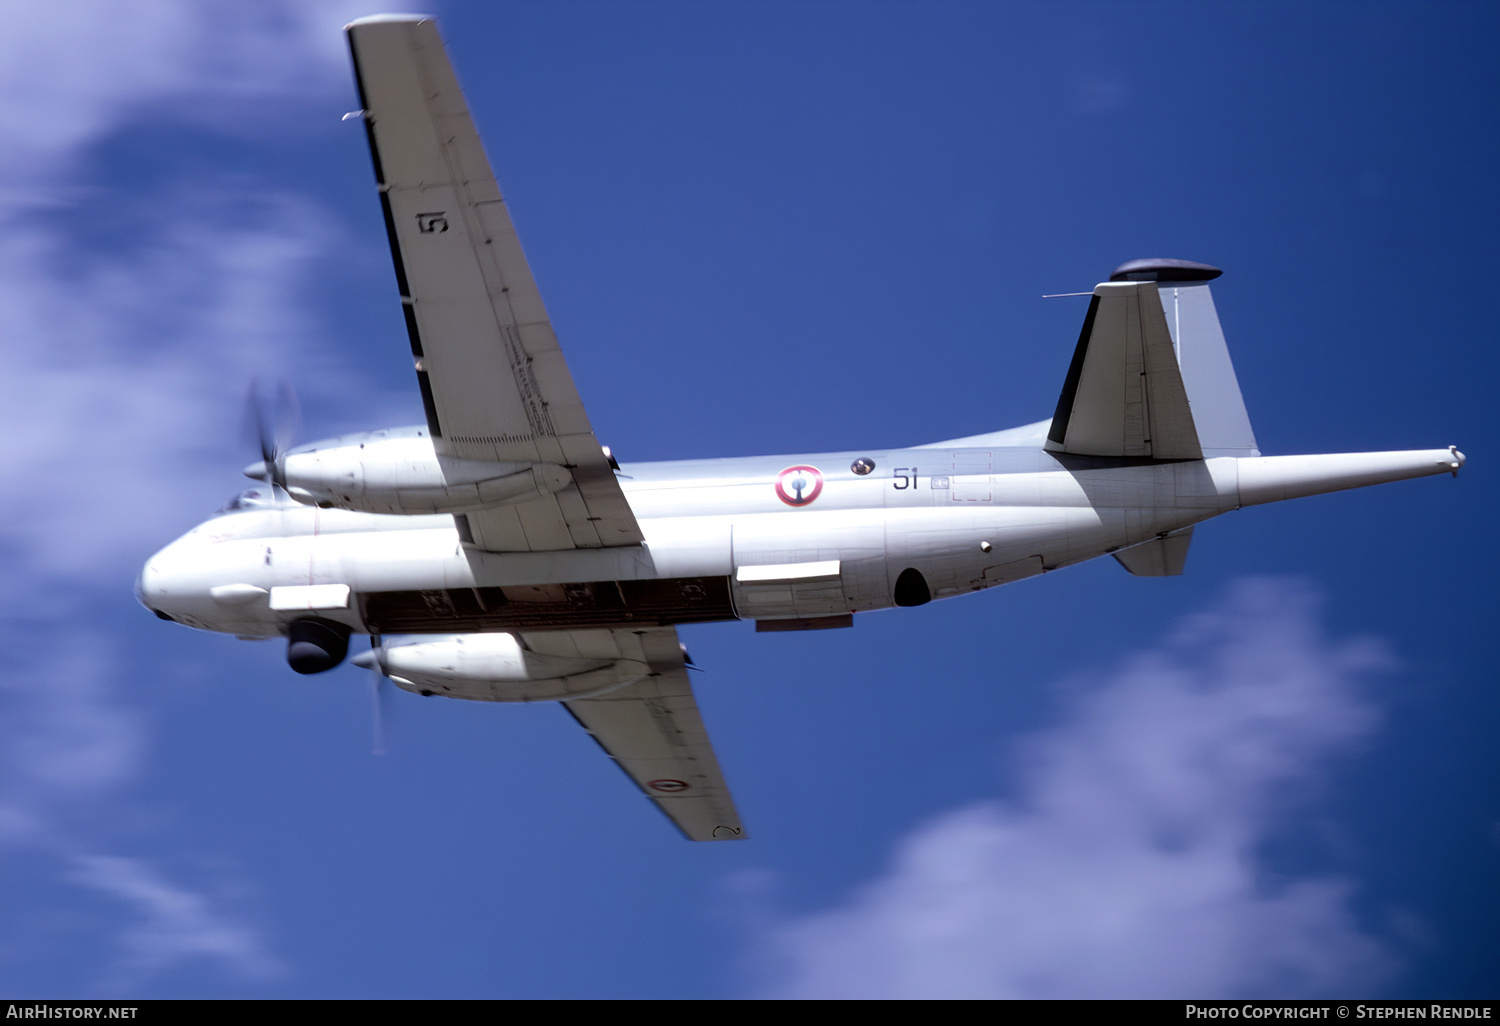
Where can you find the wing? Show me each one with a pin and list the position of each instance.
(652, 728)
(494, 382)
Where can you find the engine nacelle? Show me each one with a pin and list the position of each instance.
(399, 472)
(495, 668)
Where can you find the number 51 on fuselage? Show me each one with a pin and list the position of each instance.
(499, 553)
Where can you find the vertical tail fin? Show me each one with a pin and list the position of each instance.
(1151, 375)
(1213, 391)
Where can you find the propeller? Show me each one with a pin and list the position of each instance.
(380, 693)
(271, 419)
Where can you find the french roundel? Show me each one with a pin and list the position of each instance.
(667, 786)
(798, 486)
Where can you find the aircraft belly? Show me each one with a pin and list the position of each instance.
(389, 561)
(659, 603)
(325, 557)
(689, 546)
(946, 544)
(849, 544)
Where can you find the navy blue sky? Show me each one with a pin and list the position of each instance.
(770, 228)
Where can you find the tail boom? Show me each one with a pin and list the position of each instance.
(1273, 478)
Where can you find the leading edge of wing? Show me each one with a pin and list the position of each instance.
(654, 732)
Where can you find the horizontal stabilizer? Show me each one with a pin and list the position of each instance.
(1159, 557)
(1124, 394)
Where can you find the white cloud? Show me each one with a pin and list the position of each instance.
(68, 747)
(124, 378)
(70, 73)
(1128, 864)
(66, 739)
(172, 924)
(125, 371)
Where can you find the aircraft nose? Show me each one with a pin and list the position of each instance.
(153, 587)
(256, 470)
(147, 587)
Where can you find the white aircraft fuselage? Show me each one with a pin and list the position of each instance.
(731, 538)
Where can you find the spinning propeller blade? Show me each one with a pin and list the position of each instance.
(379, 695)
(271, 420)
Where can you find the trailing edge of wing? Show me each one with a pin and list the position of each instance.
(1124, 394)
(652, 729)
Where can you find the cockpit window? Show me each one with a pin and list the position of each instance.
(250, 498)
